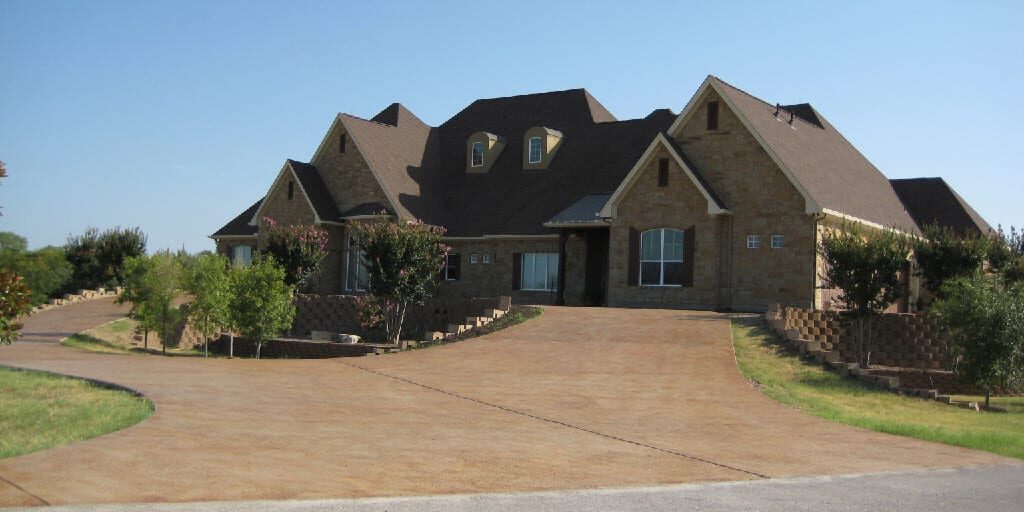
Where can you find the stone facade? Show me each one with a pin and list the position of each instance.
(763, 202)
(679, 205)
(496, 278)
(346, 174)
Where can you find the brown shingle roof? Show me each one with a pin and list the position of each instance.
(239, 226)
(422, 169)
(313, 184)
(832, 172)
(932, 200)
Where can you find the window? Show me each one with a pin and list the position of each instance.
(451, 267)
(663, 172)
(291, 190)
(535, 150)
(712, 115)
(341, 143)
(478, 155)
(474, 258)
(661, 257)
(487, 258)
(777, 242)
(356, 273)
(540, 271)
(753, 241)
(241, 255)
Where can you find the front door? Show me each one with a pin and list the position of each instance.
(595, 282)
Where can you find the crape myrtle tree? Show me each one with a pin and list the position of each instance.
(261, 304)
(865, 268)
(14, 302)
(1006, 255)
(403, 260)
(208, 279)
(985, 320)
(299, 249)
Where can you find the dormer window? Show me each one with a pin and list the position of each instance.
(539, 147)
(482, 151)
(478, 154)
(536, 147)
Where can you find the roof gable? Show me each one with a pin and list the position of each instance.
(831, 175)
(239, 226)
(714, 204)
(311, 186)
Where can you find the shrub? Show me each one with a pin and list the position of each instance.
(98, 259)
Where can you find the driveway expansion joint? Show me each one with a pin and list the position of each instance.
(22, 489)
(558, 422)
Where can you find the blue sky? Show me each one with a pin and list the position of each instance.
(176, 116)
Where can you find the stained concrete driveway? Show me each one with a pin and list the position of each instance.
(578, 398)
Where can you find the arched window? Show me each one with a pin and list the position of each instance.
(661, 257)
(535, 150)
(478, 155)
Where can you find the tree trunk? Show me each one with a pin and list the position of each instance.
(145, 339)
(259, 347)
(231, 345)
(988, 394)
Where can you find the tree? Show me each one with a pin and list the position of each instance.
(985, 320)
(261, 303)
(98, 259)
(45, 271)
(299, 249)
(1006, 254)
(152, 285)
(943, 254)
(865, 268)
(12, 242)
(208, 280)
(403, 261)
(14, 302)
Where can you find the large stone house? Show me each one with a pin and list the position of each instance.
(551, 199)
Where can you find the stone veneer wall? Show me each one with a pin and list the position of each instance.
(495, 278)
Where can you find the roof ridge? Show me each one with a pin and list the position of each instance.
(575, 89)
(781, 106)
(357, 118)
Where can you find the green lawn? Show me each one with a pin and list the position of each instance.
(40, 411)
(804, 385)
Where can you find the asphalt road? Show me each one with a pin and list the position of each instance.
(989, 489)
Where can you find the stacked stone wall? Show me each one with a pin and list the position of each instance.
(904, 340)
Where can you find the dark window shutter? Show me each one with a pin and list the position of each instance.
(713, 115)
(663, 172)
(517, 269)
(455, 267)
(689, 243)
(633, 272)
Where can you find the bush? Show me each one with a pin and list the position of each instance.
(261, 304)
(985, 320)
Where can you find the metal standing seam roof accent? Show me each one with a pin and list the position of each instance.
(584, 211)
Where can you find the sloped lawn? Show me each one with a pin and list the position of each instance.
(781, 374)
